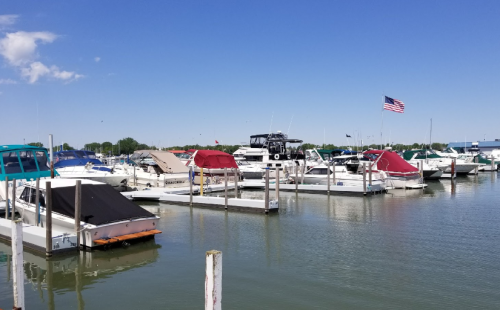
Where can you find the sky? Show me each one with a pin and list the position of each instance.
(191, 72)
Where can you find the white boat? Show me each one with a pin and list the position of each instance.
(106, 215)
(318, 175)
(444, 160)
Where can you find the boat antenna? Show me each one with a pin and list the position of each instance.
(270, 126)
(289, 126)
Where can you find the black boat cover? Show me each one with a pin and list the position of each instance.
(101, 204)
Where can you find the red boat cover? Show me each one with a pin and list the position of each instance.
(392, 162)
(212, 159)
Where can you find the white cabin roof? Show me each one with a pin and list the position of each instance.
(62, 183)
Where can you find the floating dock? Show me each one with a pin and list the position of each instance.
(34, 238)
(154, 193)
(234, 204)
(334, 189)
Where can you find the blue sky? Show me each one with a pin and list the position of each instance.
(184, 72)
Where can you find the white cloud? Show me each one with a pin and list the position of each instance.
(19, 50)
(7, 81)
(97, 59)
(37, 70)
(7, 20)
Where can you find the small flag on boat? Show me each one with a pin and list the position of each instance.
(347, 136)
(394, 105)
(216, 142)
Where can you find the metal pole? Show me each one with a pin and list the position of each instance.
(51, 150)
(13, 209)
(17, 263)
(213, 280)
(7, 197)
(328, 172)
(277, 187)
(266, 197)
(191, 185)
(225, 187)
(296, 179)
(364, 178)
(48, 219)
(37, 201)
(78, 208)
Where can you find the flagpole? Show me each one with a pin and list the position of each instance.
(382, 125)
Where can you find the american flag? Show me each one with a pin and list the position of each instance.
(394, 105)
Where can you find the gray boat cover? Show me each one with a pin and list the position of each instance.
(101, 204)
(168, 162)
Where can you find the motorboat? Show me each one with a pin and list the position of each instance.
(106, 215)
(75, 164)
(319, 175)
(443, 160)
(396, 172)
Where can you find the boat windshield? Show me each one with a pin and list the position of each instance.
(11, 163)
(80, 154)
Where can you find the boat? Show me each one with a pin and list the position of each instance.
(75, 164)
(106, 215)
(396, 172)
(443, 160)
(319, 175)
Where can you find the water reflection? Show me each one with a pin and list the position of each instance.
(78, 272)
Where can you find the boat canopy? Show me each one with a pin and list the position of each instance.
(212, 159)
(101, 204)
(24, 162)
(74, 158)
(390, 162)
(328, 154)
(421, 154)
(168, 162)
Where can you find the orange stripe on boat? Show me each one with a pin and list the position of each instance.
(128, 237)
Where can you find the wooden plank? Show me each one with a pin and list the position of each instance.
(128, 237)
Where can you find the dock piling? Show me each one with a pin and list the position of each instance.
(78, 208)
(452, 169)
(364, 178)
(476, 160)
(370, 174)
(213, 280)
(7, 197)
(201, 181)
(225, 188)
(266, 199)
(48, 219)
(17, 264)
(277, 184)
(236, 177)
(296, 179)
(328, 178)
(334, 181)
(493, 164)
(13, 209)
(191, 186)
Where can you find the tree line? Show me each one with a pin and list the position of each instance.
(129, 145)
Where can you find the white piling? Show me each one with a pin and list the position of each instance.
(17, 264)
(370, 175)
(277, 188)
(213, 280)
(236, 177)
(78, 209)
(225, 188)
(37, 201)
(13, 209)
(493, 163)
(476, 160)
(334, 181)
(266, 195)
(191, 186)
(7, 197)
(328, 172)
(296, 179)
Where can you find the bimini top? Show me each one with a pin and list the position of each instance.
(23, 162)
(421, 154)
(390, 162)
(212, 159)
(74, 158)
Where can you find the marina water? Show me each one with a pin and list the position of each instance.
(432, 249)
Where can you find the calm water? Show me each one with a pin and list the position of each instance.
(436, 249)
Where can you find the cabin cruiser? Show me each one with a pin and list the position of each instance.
(156, 169)
(105, 213)
(443, 160)
(396, 172)
(76, 164)
(273, 151)
(319, 175)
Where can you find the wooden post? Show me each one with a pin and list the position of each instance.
(37, 201)
(364, 178)
(48, 219)
(277, 187)
(328, 172)
(225, 187)
(17, 263)
(191, 185)
(476, 160)
(266, 199)
(78, 209)
(370, 175)
(213, 280)
(296, 179)
(334, 181)
(7, 197)
(236, 177)
(492, 163)
(13, 209)
(452, 168)
(201, 181)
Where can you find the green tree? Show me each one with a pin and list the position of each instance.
(38, 144)
(67, 147)
(94, 146)
(127, 146)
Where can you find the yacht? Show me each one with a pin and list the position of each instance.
(319, 175)
(443, 160)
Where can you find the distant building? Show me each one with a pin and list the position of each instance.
(483, 146)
